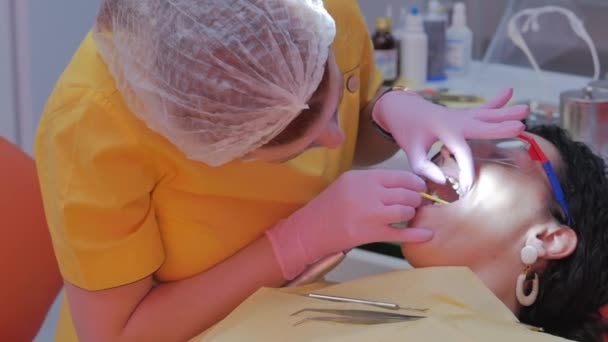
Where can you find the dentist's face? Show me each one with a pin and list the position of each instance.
(324, 131)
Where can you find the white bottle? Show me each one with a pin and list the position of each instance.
(400, 29)
(414, 49)
(459, 43)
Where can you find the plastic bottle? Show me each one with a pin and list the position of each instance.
(398, 32)
(447, 7)
(400, 27)
(459, 43)
(385, 50)
(414, 49)
(435, 26)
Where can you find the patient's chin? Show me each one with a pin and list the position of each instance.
(417, 255)
(430, 216)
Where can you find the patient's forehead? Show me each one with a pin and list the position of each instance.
(548, 149)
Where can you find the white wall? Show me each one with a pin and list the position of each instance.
(55, 30)
(37, 40)
(8, 127)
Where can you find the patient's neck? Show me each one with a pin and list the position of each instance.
(501, 281)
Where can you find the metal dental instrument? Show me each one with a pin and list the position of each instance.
(356, 316)
(433, 198)
(359, 313)
(350, 320)
(385, 305)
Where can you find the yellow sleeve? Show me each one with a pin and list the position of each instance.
(354, 48)
(371, 77)
(96, 182)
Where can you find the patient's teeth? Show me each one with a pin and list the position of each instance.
(455, 185)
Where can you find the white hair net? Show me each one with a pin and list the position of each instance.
(218, 78)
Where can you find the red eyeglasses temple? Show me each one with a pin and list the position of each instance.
(535, 152)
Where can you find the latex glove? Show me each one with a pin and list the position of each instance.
(358, 208)
(416, 124)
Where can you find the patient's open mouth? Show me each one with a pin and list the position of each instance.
(450, 192)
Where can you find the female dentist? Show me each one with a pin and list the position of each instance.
(192, 152)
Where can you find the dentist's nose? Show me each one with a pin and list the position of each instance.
(331, 137)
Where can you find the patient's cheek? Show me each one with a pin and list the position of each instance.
(498, 192)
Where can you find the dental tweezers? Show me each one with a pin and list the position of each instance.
(367, 317)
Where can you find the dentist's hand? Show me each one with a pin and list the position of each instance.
(358, 208)
(416, 124)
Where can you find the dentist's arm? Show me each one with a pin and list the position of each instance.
(372, 148)
(356, 209)
(174, 311)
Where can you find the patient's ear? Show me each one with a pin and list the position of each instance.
(553, 241)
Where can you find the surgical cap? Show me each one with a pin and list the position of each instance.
(217, 78)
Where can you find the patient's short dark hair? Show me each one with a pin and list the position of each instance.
(572, 290)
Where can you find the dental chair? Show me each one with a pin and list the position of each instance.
(30, 278)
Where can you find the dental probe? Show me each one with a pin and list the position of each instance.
(433, 198)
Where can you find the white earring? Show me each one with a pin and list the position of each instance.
(528, 255)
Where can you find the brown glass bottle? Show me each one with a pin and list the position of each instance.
(386, 51)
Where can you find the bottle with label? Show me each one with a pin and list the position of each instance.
(459, 43)
(435, 26)
(414, 47)
(385, 50)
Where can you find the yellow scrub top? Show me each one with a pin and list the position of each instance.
(123, 203)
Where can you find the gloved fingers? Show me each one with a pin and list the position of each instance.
(397, 213)
(518, 112)
(401, 197)
(407, 235)
(400, 179)
(458, 146)
(421, 165)
(500, 100)
(491, 130)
